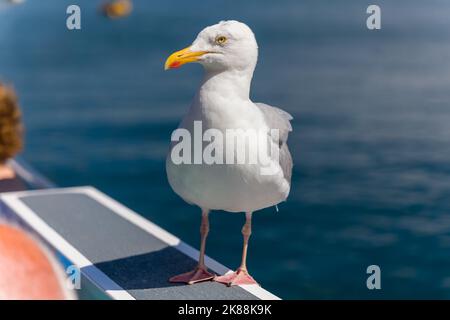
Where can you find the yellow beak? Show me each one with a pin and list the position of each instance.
(177, 59)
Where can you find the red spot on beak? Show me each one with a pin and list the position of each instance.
(175, 64)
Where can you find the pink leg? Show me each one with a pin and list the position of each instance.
(241, 276)
(200, 273)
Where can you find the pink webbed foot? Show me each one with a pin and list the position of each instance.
(199, 274)
(239, 277)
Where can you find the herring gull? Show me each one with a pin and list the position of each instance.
(228, 52)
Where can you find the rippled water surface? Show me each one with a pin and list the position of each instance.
(371, 140)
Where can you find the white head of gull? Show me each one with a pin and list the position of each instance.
(228, 52)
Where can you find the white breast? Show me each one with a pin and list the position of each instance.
(229, 187)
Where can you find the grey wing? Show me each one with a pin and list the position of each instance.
(280, 119)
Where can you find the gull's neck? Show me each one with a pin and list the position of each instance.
(229, 84)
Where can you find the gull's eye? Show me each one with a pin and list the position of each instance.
(221, 40)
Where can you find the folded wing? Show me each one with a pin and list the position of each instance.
(280, 119)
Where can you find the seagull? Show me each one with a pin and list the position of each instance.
(228, 51)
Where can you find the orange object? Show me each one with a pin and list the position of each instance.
(118, 8)
(26, 269)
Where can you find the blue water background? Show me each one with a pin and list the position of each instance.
(371, 140)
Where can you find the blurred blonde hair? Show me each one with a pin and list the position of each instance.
(11, 130)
